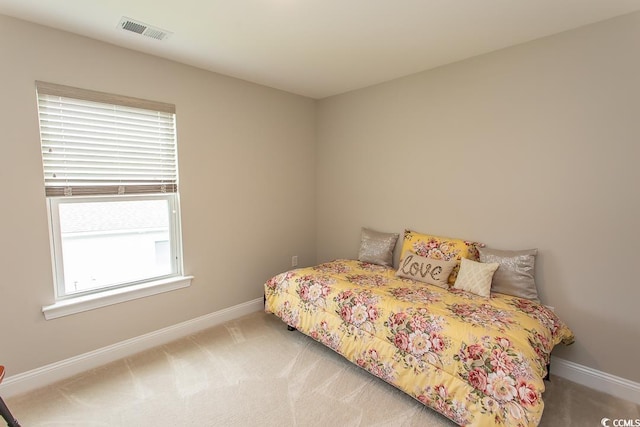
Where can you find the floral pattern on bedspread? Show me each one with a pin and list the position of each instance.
(358, 311)
(373, 280)
(415, 294)
(313, 290)
(417, 336)
(478, 361)
(500, 377)
(481, 314)
(439, 398)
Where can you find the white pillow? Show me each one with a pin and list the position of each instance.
(475, 277)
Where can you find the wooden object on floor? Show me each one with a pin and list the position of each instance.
(4, 411)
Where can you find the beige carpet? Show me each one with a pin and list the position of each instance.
(253, 372)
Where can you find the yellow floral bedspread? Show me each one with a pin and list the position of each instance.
(478, 361)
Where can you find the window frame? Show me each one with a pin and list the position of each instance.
(57, 253)
(77, 192)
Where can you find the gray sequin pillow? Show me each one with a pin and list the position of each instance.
(515, 275)
(377, 247)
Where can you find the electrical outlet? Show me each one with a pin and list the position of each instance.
(294, 261)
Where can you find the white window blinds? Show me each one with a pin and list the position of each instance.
(95, 143)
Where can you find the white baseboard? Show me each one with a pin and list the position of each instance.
(48, 374)
(598, 380)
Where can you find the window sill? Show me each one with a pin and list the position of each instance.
(113, 296)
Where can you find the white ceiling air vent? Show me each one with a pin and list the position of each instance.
(128, 24)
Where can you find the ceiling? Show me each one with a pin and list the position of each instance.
(319, 48)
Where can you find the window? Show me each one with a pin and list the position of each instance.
(111, 182)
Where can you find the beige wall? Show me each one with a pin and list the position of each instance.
(246, 158)
(532, 146)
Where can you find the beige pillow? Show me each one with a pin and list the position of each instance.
(427, 270)
(475, 277)
(377, 247)
(515, 276)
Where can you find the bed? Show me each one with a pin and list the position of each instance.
(480, 361)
